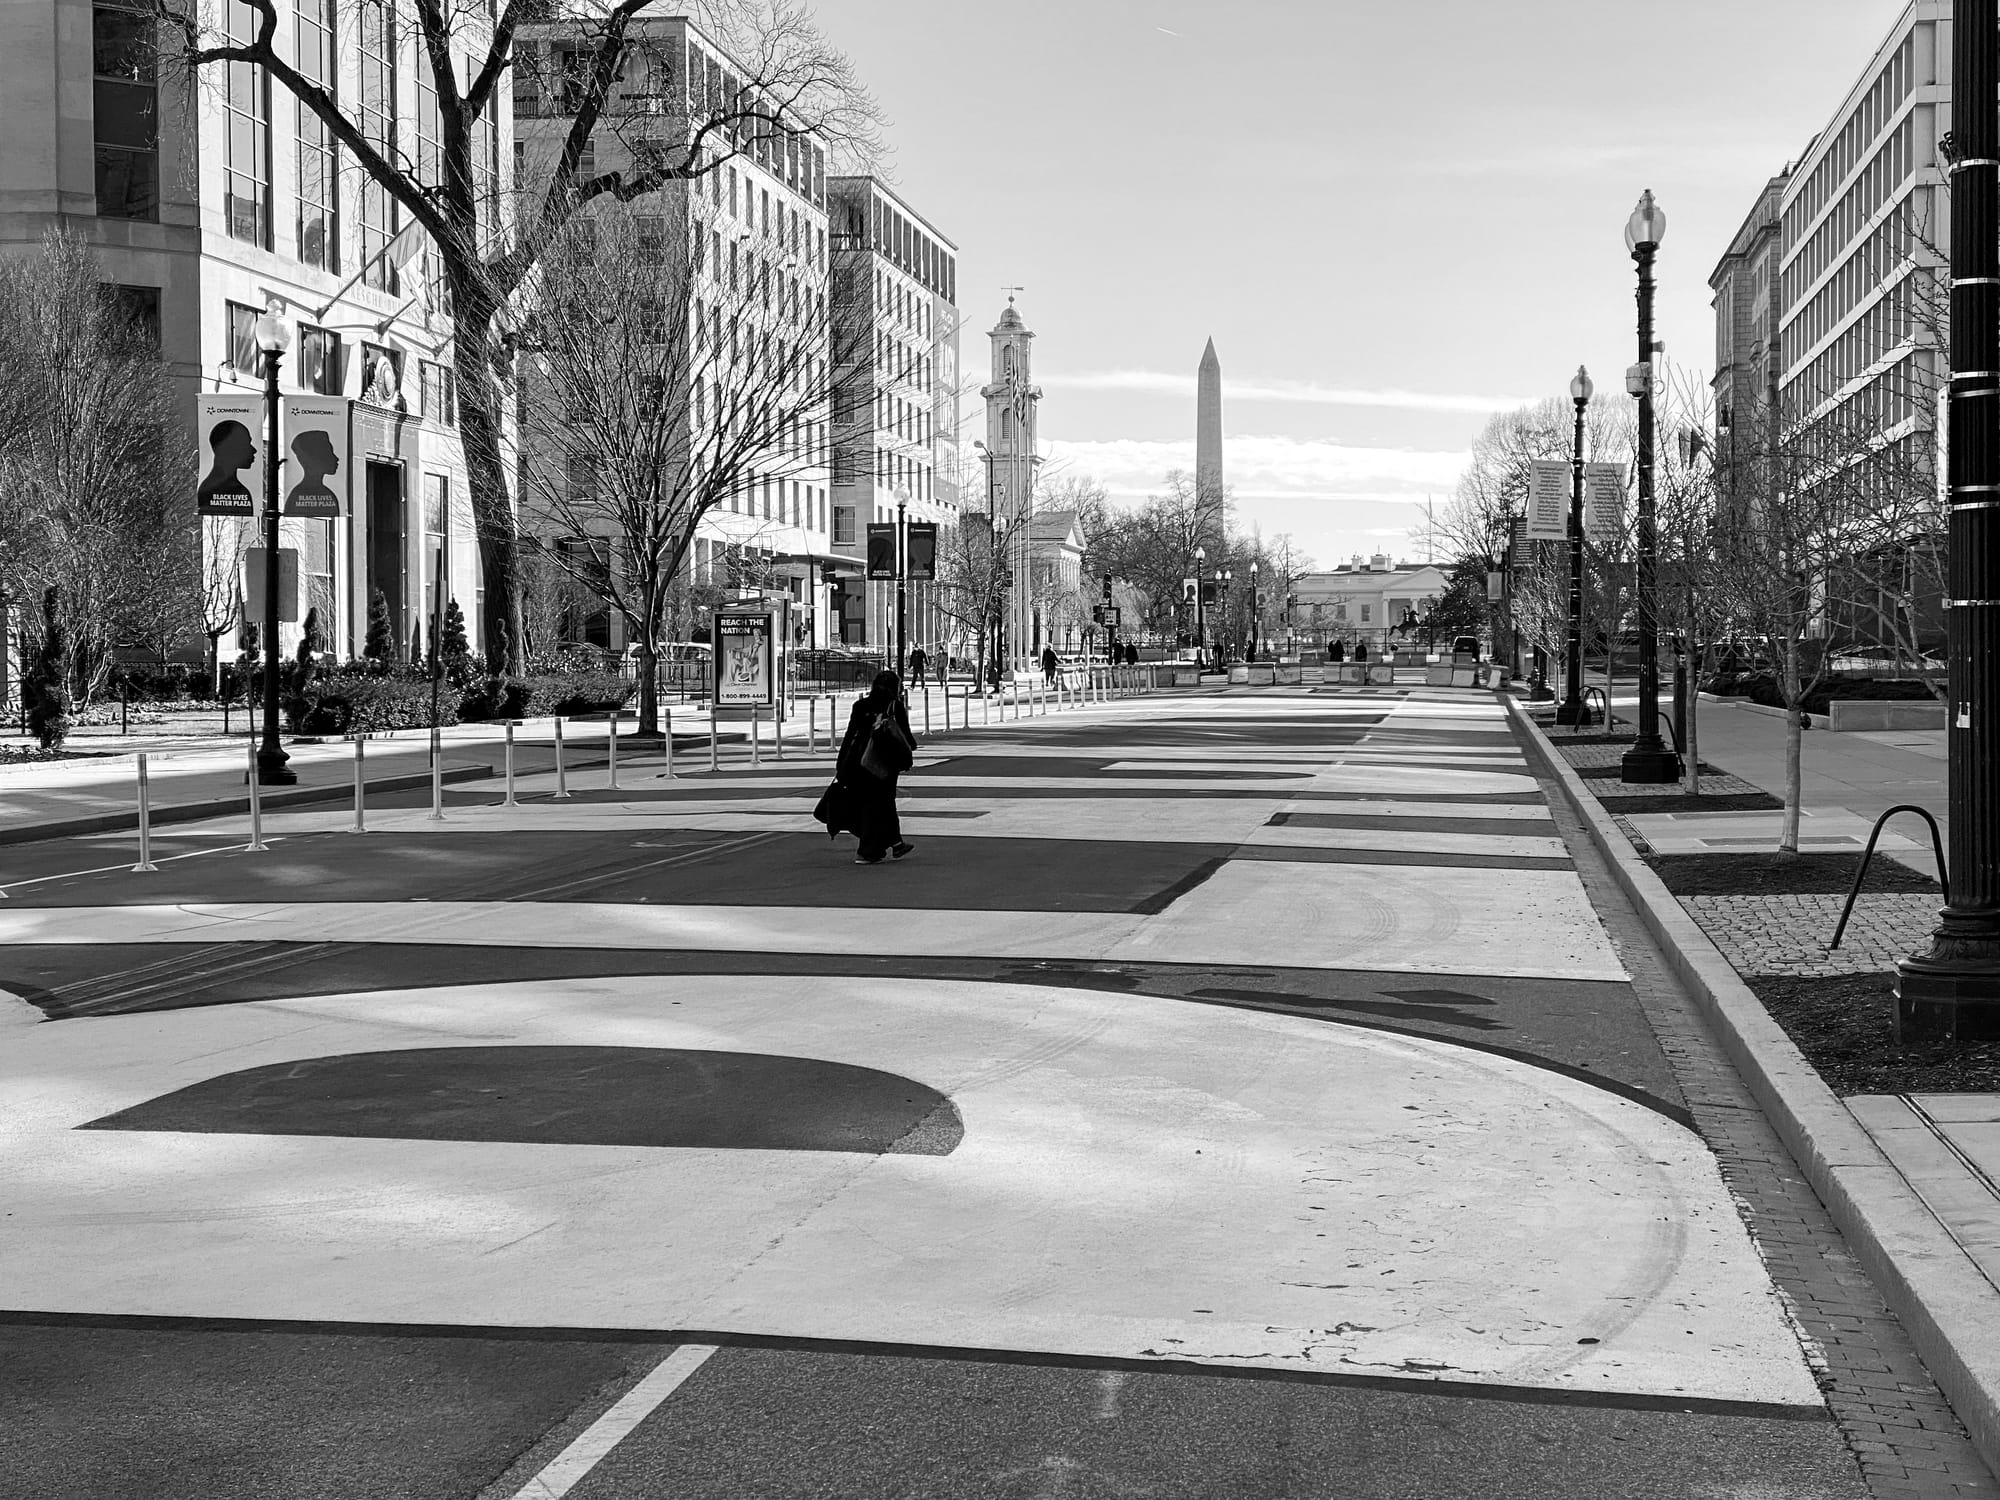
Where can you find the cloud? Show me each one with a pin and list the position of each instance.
(1302, 392)
(1267, 468)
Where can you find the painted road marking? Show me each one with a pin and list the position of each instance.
(596, 1441)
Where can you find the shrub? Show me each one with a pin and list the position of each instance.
(564, 694)
(47, 686)
(354, 700)
(1762, 687)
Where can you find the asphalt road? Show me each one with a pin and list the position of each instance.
(918, 1221)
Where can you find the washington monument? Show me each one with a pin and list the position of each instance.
(1208, 428)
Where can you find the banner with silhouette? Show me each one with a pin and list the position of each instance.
(314, 479)
(230, 430)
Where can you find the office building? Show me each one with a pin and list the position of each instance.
(206, 206)
(744, 252)
(895, 430)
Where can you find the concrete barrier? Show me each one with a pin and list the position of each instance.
(1187, 677)
(1292, 676)
(1859, 716)
(1239, 676)
(1439, 675)
(1262, 674)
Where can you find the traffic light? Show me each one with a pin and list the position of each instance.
(1097, 614)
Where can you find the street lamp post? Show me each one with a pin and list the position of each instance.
(1200, 614)
(1256, 601)
(1224, 633)
(1571, 709)
(273, 337)
(1649, 760)
(1953, 990)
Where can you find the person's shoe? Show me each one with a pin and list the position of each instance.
(862, 859)
(903, 848)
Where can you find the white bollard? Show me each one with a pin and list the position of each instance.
(510, 802)
(611, 747)
(668, 710)
(437, 775)
(778, 728)
(256, 845)
(756, 739)
(145, 821)
(714, 745)
(927, 710)
(562, 777)
(812, 724)
(360, 787)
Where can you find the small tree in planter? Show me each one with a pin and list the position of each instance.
(379, 646)
(48, 680)
(456, 646)
(305, 668)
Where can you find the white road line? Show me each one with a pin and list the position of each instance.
(597, 1440)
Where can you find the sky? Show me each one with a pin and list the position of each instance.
(1394, 219)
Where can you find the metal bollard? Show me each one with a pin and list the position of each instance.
(256, 845)
(145, 821)
(668, 736)
(611, 750)
(778, 728)
(510, 802)
(812, 724)
(927, 709)
(360, 787)
(437, 775)
(756, 739)
(562, 776)
(714, 751)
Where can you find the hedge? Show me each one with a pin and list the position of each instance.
(544, 694)
(1762, 687)
(358, 701)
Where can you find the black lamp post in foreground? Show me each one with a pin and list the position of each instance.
(1571, 710)
(1954, 989)
(273, 337)
(1649, 759)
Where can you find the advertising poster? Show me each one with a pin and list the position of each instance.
(1548, 501)
(745, 662)
(1603, 500)
(314, 479)
(230, 432)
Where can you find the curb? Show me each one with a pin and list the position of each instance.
(194, 812)
(1951, 1310)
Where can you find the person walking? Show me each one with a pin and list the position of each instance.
(878, 748)
(1049, 665)
(918, 661)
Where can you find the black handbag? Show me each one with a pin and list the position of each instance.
(888, 753)
(832, 809)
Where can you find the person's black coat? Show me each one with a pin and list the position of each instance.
(861, 724)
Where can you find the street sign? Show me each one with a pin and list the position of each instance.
(314, 478)
(746, 673)
(231, 440)
(921, 549)
(882, 549)
(288, 583)
(1603, 500)
(1548, 500)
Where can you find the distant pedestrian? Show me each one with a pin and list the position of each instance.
(1337, 651)
(1049, 665)
(878, 748)
(1361, 651)
(918, 661)
(1131, 655)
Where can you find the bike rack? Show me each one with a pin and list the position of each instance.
(1603, 709)
(1672, 734)
(1937, 848)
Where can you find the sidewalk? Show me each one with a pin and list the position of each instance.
(1912, 1178)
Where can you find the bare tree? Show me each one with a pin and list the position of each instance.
(659, 395)
(225, 541)
(95, 463)
(784, 85)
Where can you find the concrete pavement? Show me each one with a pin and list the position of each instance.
(1270, 1037)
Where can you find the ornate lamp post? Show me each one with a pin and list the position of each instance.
(1649, 760)
(1571, 709)
(273, 337)
(1256, 609)
(1200, 621)
(1954, 989)
(1222, 631)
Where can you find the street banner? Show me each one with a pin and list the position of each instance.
(921, 545)
(314, 478)
(1548, 500)
(1523, 551)
(288, 584)
(745, 659)
(1603, 500)
(882, 549)
(231, 438)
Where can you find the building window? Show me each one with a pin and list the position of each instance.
(439, 393)
(381, 375)
(651, 239)
(580, 478)
(125, 98)
(319, 360)
(319, 158)
(377, 119)
(243, 351)
(1366, 609)
(246, 193)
